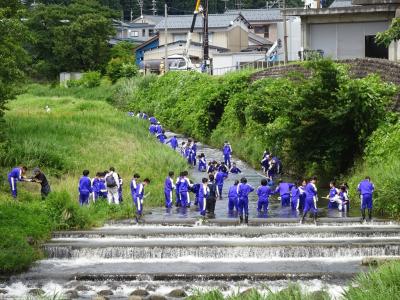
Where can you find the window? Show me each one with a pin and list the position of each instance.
(151, 32)
(134, 33)
(143, 32)
(262, 30)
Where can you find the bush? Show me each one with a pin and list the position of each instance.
(121, 68)
(91, 79)
(317, 125)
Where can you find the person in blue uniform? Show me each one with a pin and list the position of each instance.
(202, 167)
(227, 151)
(344, 205)
(96, 187)
(133, 187)
(177, 194)
(153, 120)
(84, 188)
(210, 168)
(311, 200)
(283, 189)
(161, 137)
(263, 193)
(173, 142)
(202, 194)
(193, 153)
(169, 186)
(184, 187)
(139, 198)
(243, 190)
(235, 169)
(16, 174)
(233, 197)
(366, 189)
(295, 196)
(333, 196)
(302, 198)
(219, 180)
(152, 129)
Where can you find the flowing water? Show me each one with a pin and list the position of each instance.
(173, 250)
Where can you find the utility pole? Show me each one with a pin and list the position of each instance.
(154, 7)
(285, 46)
(165, 38)
(206, 57)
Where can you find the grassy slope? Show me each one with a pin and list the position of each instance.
(76, 135)
(81, 134)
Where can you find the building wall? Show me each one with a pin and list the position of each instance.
(294, 38)
(343, 40)
(238, 39)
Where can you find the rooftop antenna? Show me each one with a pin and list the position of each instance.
(226, 4)
(140, 2)
(154, 7)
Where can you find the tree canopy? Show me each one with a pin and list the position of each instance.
(390, 35)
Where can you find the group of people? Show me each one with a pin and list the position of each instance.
(19, 174)
(300, 196)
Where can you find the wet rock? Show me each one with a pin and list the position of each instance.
(224, 287)
(139, 292)
(71, 294)
(99, 298)
(135, 298)
(3, 291)
(105, 293)
(156, 297)
(36, 292)
(82, 288)
(151, 287)
(30, 240)
(177, 293)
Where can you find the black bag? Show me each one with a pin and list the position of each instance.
(110, 181)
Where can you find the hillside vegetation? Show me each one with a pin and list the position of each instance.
(77, 134)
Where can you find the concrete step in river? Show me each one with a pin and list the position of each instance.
(172, 250)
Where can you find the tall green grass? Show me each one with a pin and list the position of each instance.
(382, 284)
(292, 292)
(85, 134)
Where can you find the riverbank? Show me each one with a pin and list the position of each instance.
(76, 134)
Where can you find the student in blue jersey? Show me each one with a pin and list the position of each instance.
(222, 167)
(193, 153)
(161, 137)
(159, 128)
(96, 187)
(153, 120)
(184, 188)
(263, 193)
(333, 196)
(173, 142)
(210, 168)
(227, 151)
(295, 193)
(16, 174)
(144, 116)
(265, 161)
(235, 169)
(177, 194)
(284, 189)
(139, 197)
(202, 163)
(233, 198)
(302, 198)
(102, 186)
(120, 193)
(188, 151)
(152, 129)
(311, 200)
(243, 190)
(195, 190)
(133, 186)
(366, 189)
(212, 197)
(169, 186)
(202, 194)
(84, 188)
(182, 149)
(219, 180)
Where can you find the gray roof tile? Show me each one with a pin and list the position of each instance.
(341, 3)
(185, 21)
(262, 14)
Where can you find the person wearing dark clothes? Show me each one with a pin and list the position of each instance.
(40, 178)
(212, 196)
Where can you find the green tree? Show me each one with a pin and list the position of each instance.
(13, 57)
(390, 35)
(70, 37)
